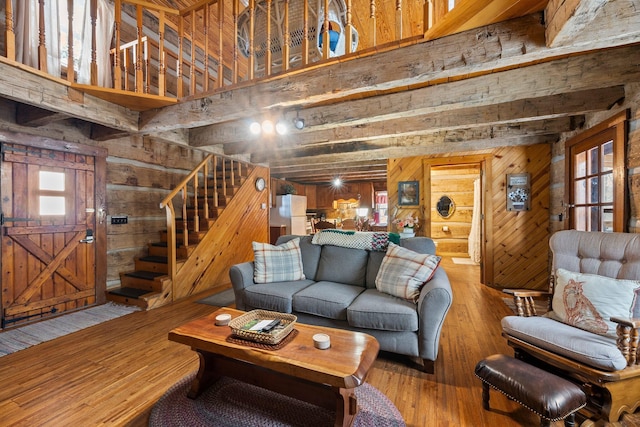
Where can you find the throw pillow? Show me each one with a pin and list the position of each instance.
(277, 263)
(403, 272)
(587, 301)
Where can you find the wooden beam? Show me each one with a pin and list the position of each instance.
(568, 18)
(23, 84)
(26, 115)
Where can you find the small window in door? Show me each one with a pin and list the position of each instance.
(51, 187)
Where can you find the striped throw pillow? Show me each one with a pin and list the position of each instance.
(277, 263)
(403, 272)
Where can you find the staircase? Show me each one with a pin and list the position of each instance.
(203, 197)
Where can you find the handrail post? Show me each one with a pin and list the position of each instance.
(171, 246)
(42, 48)
(117, 71)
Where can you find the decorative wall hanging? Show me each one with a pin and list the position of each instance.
(518, 192)
(408, 193)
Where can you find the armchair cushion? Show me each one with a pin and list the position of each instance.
(597, 351)
(277, 263)
(403, 272)
(588, 301)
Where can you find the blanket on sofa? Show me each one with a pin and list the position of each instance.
(368, 240)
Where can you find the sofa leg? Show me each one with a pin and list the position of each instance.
(429, 366)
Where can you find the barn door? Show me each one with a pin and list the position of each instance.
(52, 230)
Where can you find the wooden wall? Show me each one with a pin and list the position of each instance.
(140, 173)
(516, 242)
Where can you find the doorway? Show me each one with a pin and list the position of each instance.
(53, 250)
(455, 206)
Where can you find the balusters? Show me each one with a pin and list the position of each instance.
(162, 83)
(220, 80)
(94, 62)
(349, 29)
(192, 72)
(196, 212)
(398, 19)
(180, 61)
(287, 38)
(372, 18)
(10, 35)
(42, 49)
(252, 26)
(267, 64)
(325, 30)
(305, 33)
(117, 71)
(138, 49)
(70, 71)
(235, 70)
(215, 183)
(185, 225)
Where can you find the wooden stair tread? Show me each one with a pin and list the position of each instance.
(128, 292)
(158, 259)
(147, 275)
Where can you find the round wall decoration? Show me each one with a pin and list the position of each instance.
(260, 184)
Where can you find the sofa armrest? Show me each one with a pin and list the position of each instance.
(433, 304)
(628, 332)
(524, 300)
(241, 276)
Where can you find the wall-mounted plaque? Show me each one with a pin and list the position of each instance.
(518, 192)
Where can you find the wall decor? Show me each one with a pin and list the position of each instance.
(445, 206)
(518, 192)
(408, 193)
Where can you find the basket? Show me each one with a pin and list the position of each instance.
(272, 337)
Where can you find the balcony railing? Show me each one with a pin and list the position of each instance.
(217, 44)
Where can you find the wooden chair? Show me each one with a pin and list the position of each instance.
(348, 224)
(609, 392)
(323, 225)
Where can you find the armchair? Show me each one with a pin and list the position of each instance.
(605, 365)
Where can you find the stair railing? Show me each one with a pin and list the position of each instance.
(189, 188)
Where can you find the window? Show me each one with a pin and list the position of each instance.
(595, 164)
(51, 188)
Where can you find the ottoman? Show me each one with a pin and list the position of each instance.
(551, 397)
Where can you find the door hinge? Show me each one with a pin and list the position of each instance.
(4, 219)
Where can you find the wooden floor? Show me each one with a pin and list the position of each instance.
(114, 372)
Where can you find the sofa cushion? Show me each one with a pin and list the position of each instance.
(403, 272)
(326, 299)
(597, 351)
(376, 310)
(275, 296)
(587, 301)
(342, 265)
(277, 263)
(310, 254)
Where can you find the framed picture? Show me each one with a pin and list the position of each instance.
(408, 193)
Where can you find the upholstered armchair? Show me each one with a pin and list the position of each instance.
(591, 333)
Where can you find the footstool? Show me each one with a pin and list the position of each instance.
(551, 397)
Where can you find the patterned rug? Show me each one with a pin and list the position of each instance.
(231, 403)
(35, 333)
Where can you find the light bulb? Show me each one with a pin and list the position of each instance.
(281, 128)
(255, 128)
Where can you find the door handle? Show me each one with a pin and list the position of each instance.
(88, 237)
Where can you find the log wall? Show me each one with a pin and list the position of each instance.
(141, 171)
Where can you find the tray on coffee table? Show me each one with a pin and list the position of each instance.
(241, 326)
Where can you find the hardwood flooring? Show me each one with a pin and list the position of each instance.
(113, 373)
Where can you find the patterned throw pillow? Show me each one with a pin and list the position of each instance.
(403, 272)
(587, 301)
(277, 263)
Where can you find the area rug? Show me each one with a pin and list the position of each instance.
(463, 261)
(221, 299)
(231, 403)
(35, 333)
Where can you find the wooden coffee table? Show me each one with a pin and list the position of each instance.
(326, 378)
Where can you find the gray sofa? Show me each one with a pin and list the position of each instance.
(339, 291)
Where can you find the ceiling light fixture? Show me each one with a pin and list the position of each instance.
(267, 127)
(281, 128)
(298, 123)
(255, 128)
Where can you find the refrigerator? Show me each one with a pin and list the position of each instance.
(290, 211)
